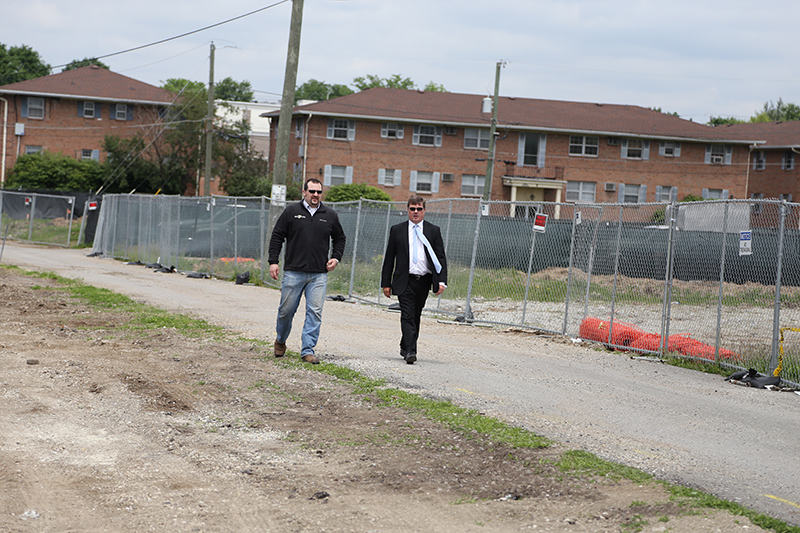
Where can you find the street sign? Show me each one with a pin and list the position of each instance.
(745, 243)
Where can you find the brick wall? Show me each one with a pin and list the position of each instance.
(63, 131)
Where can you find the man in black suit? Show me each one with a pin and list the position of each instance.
(414, 264)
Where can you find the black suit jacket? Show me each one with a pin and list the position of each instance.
(396, 260)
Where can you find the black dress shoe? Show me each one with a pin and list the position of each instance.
(410, 358)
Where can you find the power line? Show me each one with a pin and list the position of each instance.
(185, 34)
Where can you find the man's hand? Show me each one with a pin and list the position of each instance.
(332, 264)
(442, 287)
(274, 270)
(387, 291)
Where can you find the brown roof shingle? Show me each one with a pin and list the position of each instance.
(775, 134)
(517, 113)
(91, 82)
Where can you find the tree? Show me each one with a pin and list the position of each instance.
(395, 81)
(721, 121)
(353, 191)
(85, 62)
(319, 90)
(236, 91)
(20, 63)
(779, 112)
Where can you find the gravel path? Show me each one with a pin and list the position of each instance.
(738, 443)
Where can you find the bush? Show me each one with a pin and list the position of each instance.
(352, 192)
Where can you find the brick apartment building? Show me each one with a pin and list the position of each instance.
(436, 144)
(774, 163)
(71, 112)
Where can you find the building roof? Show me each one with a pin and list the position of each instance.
(775, 134)
(519, 114)
(91, 82)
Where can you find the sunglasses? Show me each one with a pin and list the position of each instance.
(416, 209)
(309, 191)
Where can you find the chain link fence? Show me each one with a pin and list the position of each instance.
(39, 218)
(714, 281)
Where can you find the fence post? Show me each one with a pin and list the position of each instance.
(386, 238)
(575, 216)
(776, 320)
(211, 204)
(616, 272)
(31, 216)
(468, 316)
(355, 249)
(262, 236)
(528, 277)
(72, 202)
(446, 240)
(721, 279)
(667, 304)
(591, 263)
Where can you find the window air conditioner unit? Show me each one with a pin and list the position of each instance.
(610, 187)
(717, 159)
(448, 177)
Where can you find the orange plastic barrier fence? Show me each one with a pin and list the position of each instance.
(622, 334)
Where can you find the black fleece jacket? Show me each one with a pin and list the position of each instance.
(307, 238)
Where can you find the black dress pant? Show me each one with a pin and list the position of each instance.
(412, 301)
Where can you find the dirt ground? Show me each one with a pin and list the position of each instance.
(103, 428)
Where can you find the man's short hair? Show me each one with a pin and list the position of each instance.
(311, 180)
(416, 200)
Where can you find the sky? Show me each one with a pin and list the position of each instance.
(699, 58)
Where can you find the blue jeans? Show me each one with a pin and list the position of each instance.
(293, 286)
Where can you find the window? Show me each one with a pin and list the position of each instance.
(788, 160)
(423, 181)
(530, 149)
(390, 177)
(755, 207)
(715, 194)
(759, 160)
(35, 107)
(635, 149)
(632, 194)
(666, 193)
(33, 150)
(669, 149)
(86, 154)
(337, 175)
(342, 129)
(583, 145)
(392, 130)
(472, 184)
(787, 197)
(299, 124)
(476, 138)
(88, 109)
(427, 135)
(581, 191)
(121, 112)
(718, 154)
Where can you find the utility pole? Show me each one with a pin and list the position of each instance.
(209, 125)
(280, 166)
(487, 186)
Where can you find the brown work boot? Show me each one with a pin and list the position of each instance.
(310, 359)
(280, 349)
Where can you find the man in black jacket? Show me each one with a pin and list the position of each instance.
(308, 227)
(414, 264)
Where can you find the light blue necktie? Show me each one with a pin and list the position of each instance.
(421, 236)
